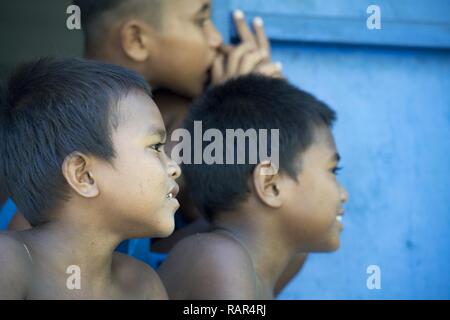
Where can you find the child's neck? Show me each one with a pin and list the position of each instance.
(269, 251)
(64, 243)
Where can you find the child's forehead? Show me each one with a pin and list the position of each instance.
(188, 7)
(323, 147)
(323, 136)
(138, 110)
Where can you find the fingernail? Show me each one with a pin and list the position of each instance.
(238, 14)
(258, 21)
(279, 65)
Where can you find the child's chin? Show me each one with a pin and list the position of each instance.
(165, 231)
(331, 245)
(150, 230)
(196, 88)
(334, 245)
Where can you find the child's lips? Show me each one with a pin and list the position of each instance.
(339, 216)
(173, 192)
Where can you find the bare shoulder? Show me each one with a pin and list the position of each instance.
(208, 266)
(15, 267)
(138, 278)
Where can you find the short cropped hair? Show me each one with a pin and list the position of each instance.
(97, 16)
(50, 108)
(248, 102)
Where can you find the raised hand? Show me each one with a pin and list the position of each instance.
(252, 55)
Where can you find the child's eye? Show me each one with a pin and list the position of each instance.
(157, 147)
(336, 170)
(201, 21)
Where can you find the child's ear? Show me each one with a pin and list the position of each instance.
(266, 184)
(137, 40)
(76, 170)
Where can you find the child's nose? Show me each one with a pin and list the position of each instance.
(174, 169)
(344, 195)
(213, 36)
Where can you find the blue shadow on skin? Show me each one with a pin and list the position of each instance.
(6, 214)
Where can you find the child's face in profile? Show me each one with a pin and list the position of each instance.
(187, 46)
(138, 189)
(314, 203)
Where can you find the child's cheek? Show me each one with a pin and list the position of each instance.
(159, 173)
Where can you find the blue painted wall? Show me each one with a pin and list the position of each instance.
(391, 89)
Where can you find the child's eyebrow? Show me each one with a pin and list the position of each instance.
(152, 131)
(204, 9)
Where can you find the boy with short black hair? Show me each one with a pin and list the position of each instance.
(173, 44)
(264, 214)
(82, 156)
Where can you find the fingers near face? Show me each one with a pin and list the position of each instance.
(261, 37)
(242, 28)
